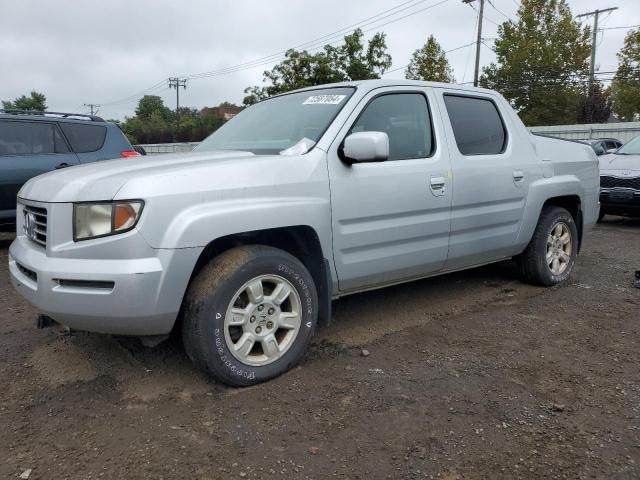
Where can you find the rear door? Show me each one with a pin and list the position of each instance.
(391, 219)
(27, 149)
(492, 170)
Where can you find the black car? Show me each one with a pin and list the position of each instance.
(32, 143)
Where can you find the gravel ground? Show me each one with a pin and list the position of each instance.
(470, 375)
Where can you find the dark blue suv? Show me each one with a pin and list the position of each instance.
(32, 143)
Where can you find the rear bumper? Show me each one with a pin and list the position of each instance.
(117, 296)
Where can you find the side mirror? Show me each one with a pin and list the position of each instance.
(366, 147)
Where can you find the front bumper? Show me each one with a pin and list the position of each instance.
(620, 201)
(131, 296)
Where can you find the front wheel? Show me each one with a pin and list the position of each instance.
(551, 254)
(249, 315)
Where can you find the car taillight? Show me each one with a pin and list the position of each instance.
(130, 153)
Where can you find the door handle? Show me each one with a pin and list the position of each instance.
(437, 182)
(437, 185)
(61, 165)
(518, 175)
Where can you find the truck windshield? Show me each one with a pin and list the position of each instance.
(287, 124)
(630, 148)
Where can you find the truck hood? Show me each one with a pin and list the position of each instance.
(102, 180)
(618, 164)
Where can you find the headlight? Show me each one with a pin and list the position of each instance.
(99, 219)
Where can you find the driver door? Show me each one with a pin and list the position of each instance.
(391, 219)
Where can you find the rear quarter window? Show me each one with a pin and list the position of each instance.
(84, 138)
(477, 125)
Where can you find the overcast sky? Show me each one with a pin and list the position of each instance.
(110, 52)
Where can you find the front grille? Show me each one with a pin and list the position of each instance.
(607, 181)
(34, 224)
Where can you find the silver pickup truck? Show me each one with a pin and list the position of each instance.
(298, 200)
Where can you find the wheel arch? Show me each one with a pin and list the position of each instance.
(301, 241)
(564, 191)
(573, 204)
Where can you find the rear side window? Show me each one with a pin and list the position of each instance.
(30, 138)
(404, 117)
(84, 138)
(477, 125)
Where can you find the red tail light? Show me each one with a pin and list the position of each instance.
(130, 153)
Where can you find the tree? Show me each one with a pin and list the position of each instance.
(154, 123)
(430, 63)
(149, 104)
(541, 64)
(625, 88)
(595, 107)
(349, 61)
(35, 101)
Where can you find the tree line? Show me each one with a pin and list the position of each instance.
(541, 68)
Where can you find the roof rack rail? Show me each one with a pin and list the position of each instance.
(93, 118)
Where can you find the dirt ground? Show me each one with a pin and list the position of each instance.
(470, 375)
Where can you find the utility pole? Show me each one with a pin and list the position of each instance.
(176, 83)
(479, 41)
(596, 13)
(92, 106)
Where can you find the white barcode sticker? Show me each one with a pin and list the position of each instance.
(324, 100)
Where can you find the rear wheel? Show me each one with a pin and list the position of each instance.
(551, 254)
(601, 215)
(249, 315)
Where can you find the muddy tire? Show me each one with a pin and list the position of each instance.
(549, 258)
(249, 315)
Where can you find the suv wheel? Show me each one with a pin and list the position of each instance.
(551, 254)
(249, 315)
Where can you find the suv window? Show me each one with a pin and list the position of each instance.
(404, 117)
(30, 138)
(477, 125)
(84, 138)
(599, 148)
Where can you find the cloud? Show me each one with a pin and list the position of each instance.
(94, 51)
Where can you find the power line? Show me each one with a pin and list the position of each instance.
(311, 43)
(596, 13)
(273, 57)
(176, 83)
(476, 70)
(92, 106)
(473, 34)
(153, 89)
(485, 15)
(267, 62)
(498, 10)
(619, 28)
(447, 51)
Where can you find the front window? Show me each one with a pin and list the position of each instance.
(630, 148)
(287, 124)
(404, 117)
